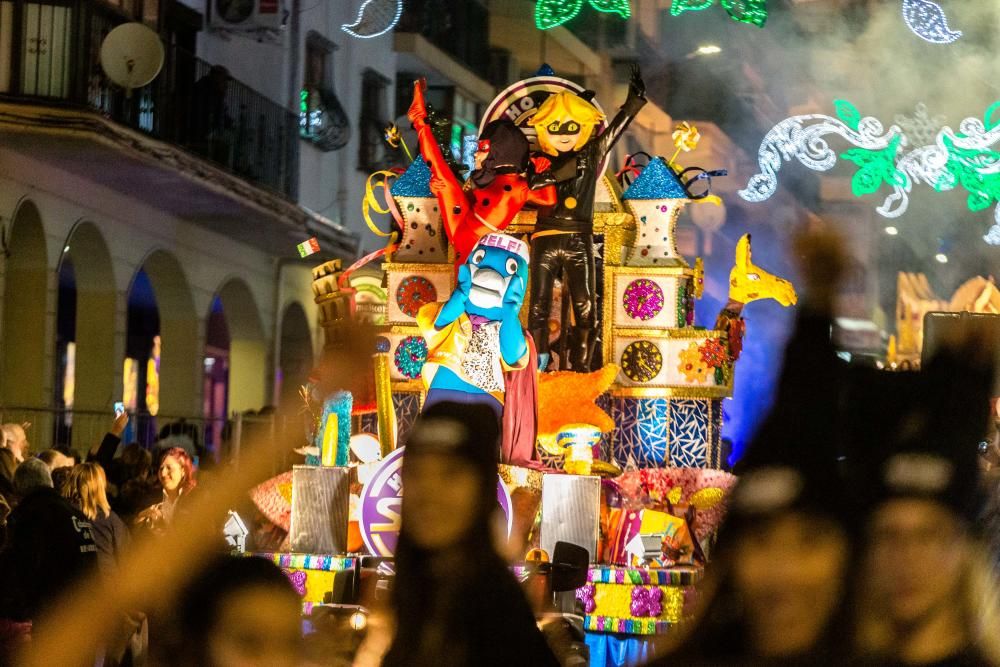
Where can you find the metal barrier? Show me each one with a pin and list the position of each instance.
(222, 439)
(53, 58)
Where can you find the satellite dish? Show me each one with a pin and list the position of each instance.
(131, 56)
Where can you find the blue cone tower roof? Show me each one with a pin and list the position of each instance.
(656, 181)
(414, 182)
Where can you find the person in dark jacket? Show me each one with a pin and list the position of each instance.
(777, 591)
(137, 489)
(455, 601)
(49, 545)
(103, 453)
(929, 597)
(86, 489)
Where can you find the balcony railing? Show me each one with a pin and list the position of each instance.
(458, 27)
(49, 54)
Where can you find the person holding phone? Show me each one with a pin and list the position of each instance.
(103, 452)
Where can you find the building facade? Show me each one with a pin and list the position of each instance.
(150, 235)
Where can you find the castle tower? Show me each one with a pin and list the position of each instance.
(666, 400)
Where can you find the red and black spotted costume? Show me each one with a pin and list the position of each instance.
(494, 194)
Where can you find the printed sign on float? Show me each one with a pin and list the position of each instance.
(382, 501)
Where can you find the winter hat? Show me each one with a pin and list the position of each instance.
(792, 462)
(934, 452)
(467, 432)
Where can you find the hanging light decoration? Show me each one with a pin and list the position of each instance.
(968, 158)
(375, 17)
(552, 13)
(928, 21)
(743, 11)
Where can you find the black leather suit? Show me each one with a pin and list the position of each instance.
(567, 240)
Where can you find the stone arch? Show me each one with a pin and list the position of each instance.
(296, 355)
(248, 352)
(96, 365)
(23, 380)
(180, 344)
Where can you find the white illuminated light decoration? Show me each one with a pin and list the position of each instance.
(993, 235)
(941, 257)
(803, 138)
(891, 231)
(375, 17)
(928, 21)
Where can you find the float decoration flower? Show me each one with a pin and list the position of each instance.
(585, 594)
(692, 367)
(646, 602)
(713, 353)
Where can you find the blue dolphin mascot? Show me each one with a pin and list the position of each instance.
(475, 337)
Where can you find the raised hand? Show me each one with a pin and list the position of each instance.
(119, 424)
(514, 296)
(636, 86)
(418, 108)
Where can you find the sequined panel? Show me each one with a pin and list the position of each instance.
(407, 406)
(369, 422)
(641, 426)
(689, 432)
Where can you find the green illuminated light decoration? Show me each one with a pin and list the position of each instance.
(552, 13)
(743, 11)
(968, 158)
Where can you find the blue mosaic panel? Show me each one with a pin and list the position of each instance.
(689, 432)
(604, 402)
(641, 426)
(407, 406)
(715, 440)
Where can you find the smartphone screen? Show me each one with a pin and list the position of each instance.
(119, 408)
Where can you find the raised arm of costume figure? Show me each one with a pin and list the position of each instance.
(513, 345)
(635, 101)
(444, 184)
(455, 305)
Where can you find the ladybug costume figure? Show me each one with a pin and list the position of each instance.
(505, 178)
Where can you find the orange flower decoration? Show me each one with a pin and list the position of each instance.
(713, 353)
(692, 366)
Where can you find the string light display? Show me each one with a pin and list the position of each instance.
(928, 21)
(743, 11)
(968, 158)
(375, 17)
(552, 13)
(993, 234)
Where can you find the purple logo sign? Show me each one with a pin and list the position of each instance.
(382, 500)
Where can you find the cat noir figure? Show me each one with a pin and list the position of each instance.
(476, 336)
(564, 234)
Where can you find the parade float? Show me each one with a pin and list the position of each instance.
(623, 425)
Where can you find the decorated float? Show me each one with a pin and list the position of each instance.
(610, 398)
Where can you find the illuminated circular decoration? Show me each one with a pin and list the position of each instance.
(411, 353)
(414, 292)
(643, 299)
(382, 501)
(641, 361)
(520, 101)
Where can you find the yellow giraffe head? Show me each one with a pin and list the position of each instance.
(748, 282)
